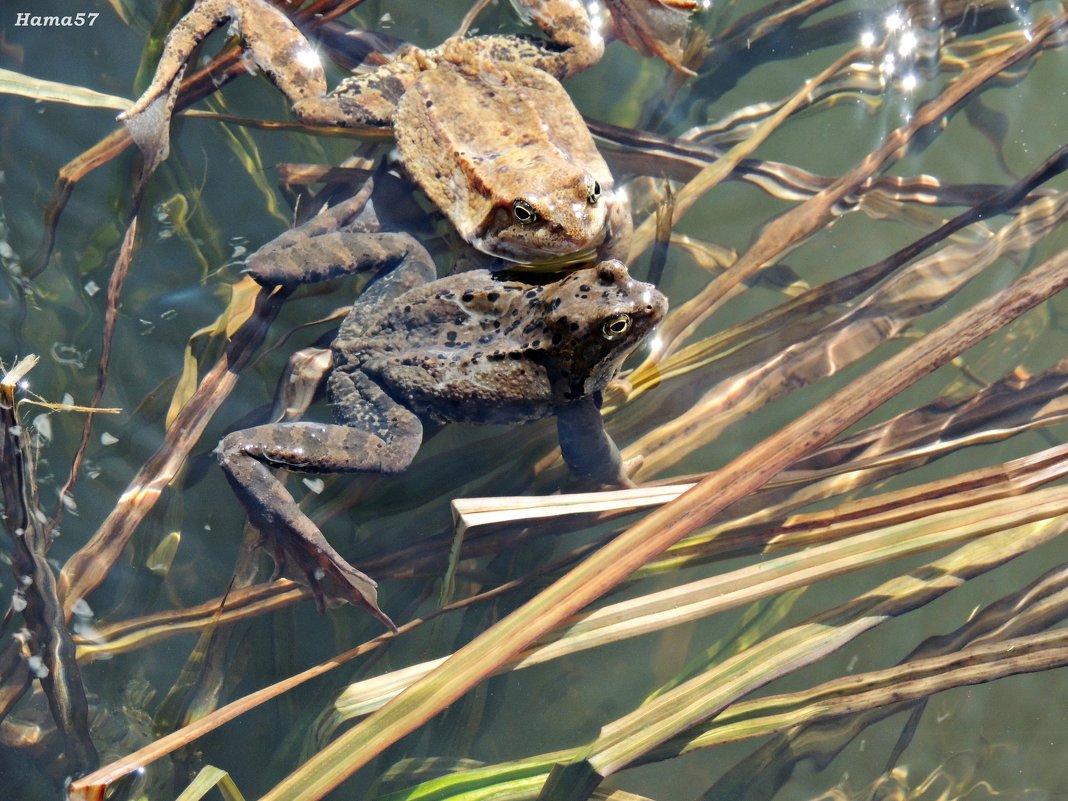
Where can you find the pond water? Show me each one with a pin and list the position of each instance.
(691, 410)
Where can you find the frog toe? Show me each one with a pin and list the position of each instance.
(340, 583)
(333, 581)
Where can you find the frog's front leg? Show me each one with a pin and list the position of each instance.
(586, 447)
(249, 458)
(336, 243)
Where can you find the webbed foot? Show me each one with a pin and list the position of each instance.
(654, 27)
(247, 457)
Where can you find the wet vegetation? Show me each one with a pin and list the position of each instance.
(848, 434)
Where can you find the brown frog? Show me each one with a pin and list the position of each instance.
(467, 348)
(482, 124)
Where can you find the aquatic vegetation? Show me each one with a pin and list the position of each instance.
(848, 430)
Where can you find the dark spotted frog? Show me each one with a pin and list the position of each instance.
(471, 347)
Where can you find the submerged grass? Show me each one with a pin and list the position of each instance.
(805, 504)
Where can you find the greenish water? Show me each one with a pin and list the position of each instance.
(208, 206)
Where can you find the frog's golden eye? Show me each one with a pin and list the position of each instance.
(524, 213)
(615, 326)
(593, 190)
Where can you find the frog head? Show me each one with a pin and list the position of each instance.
(591, 321)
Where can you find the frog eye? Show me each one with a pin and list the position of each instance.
(615, 326)
(524, 213)
(593, 190)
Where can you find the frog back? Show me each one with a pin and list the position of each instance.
(480, 138)
(455, 350)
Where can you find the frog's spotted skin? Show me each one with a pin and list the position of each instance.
(466, 348)
(471, 349)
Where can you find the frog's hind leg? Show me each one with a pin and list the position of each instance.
(574, 42)
(337, 254)
(380, 436)
(275, 44)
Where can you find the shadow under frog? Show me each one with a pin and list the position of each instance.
(469, 347)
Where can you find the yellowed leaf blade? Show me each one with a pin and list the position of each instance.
(208, 779)
(699, 698)
(238, 310)
(705, 597)
(15, 83)
(472, 513)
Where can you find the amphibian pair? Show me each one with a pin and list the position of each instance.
(485, 129)
(466, 348)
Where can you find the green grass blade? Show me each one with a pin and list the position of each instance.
(209, 778)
